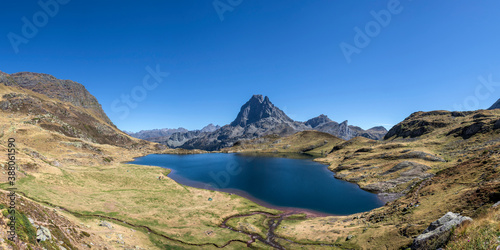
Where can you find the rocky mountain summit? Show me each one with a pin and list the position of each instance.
(259, 117)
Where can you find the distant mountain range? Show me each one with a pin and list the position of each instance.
(257, 117)
(173, 138)
(155, 133)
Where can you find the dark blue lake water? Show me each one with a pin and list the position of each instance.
(278, 182)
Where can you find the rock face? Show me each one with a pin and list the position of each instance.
(258, 117)
(439, 231)
(257, 109)
(496, 105)
(43, 234)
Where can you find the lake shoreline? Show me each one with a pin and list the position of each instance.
(183, 180)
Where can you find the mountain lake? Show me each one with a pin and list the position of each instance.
(276, 182)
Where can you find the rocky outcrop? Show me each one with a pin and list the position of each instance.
(439, 231)
(43, 234)
(444, 122)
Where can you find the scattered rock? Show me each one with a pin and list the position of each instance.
(104, 223)
(43, 234)
(388, 197)
(349, 237)
(496, 204)
(439, 231)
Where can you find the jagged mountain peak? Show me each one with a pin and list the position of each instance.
(258, 108)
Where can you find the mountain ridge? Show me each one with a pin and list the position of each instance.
(63, 90)
(259, 117)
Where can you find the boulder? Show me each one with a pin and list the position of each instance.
(439, 231)
(104, 223)
(43, 234)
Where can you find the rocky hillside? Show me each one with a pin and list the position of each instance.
(343, 130)
(429, 164)
(63, 90)
(61, 106)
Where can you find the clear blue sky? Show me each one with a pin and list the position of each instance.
(427, 57)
